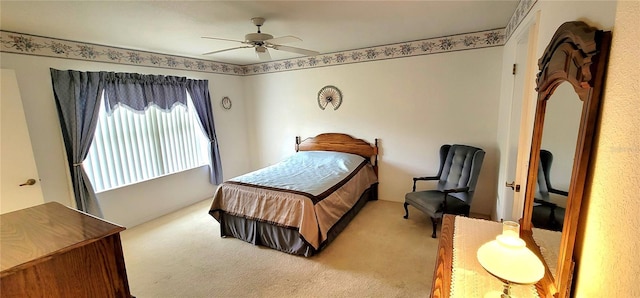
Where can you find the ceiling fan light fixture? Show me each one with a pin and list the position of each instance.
(262, 53)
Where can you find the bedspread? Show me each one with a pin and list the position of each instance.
(282, 195)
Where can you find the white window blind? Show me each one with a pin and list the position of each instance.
(130, 147)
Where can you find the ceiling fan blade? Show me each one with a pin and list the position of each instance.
(283, 39)
(225, 39)
(263, 54)
(296, 50)
(229, 49)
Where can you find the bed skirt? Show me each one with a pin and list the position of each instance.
(287, 239)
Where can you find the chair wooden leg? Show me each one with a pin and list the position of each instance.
(406, 211)
(435, 224)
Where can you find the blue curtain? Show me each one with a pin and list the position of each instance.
(77, 96)
(199, 91)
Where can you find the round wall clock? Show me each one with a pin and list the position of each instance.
(329, 95)
(226, 103)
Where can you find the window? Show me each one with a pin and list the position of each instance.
(132, 146)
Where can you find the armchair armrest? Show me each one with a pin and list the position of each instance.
(452, 190)
(545, 203)
(426, 178)
(415, 179)
(559, 192)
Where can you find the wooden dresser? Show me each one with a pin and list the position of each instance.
(53, 251)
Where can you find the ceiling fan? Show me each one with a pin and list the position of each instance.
(263, 41)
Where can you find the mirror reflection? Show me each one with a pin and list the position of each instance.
(559, 137)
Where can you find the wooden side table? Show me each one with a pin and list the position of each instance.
(443, 272)
(53, 251)
(441, 284)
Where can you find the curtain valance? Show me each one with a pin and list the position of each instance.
(138, 91)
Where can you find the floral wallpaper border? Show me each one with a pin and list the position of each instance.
(522, 10)
(13, 42)
(468, 41)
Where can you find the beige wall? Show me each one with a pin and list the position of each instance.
(134, 204)
(413, 105)
(608, 244)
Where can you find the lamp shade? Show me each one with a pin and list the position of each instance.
(508, 258)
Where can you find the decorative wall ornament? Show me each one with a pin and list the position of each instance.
(522, 10)
(226, 103)
(329, 95)
(26, 44)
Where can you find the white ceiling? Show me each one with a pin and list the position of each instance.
(176, 27)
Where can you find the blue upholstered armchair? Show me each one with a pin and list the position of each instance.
(457, 177)
(546, 214)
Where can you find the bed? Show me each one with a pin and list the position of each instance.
(302, 203)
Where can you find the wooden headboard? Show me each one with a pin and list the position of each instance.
(341, 143)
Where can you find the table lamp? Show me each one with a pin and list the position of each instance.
(508, 258)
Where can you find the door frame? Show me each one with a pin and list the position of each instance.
(527, 114)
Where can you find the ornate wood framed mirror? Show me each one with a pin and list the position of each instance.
(569, 85)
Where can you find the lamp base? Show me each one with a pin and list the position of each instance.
(506, 292)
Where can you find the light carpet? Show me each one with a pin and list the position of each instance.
(379, 254)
